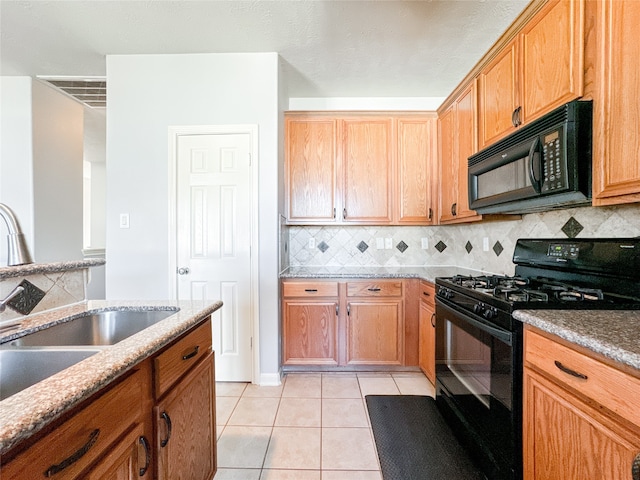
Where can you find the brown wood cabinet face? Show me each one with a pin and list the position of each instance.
(616, 116)
(375, 332)
(448, 165)
(126, 461)
(552, 58)
(186, 427)
(416, 180)
(565, 438)
(310, 332)
(428, 341)
(310, 169)
(498, 96)
(368, 170)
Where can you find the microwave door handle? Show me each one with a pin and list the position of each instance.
(535, 159)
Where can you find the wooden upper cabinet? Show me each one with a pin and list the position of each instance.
(368, 170)
(310, 169)
(539, 70)
(616, 116)
(416, 181)
(498, 96)
(457, 143)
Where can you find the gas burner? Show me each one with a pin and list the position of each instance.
(526, 295)
(581, 294)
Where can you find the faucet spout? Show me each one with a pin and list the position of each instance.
(18, 252)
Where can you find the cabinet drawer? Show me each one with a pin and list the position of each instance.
(81, 440)
(428, 292)
(310, 289)
(374, 289)
(174, 362)
(604, 384)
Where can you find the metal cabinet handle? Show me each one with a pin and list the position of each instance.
(426, 294)
(373, 289)
(337, 310)
(430, 213)
(454, 209)
(311, 290)
(348, 309)
(167, 419)
(635, 468)
(75, 456)
(515, 117)
(191, 354)
(433, 320)
(344, 213)
(334, 212)
(570, 371)
(147, 455)
(183, 271)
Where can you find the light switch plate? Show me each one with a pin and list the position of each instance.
(424, 243)
(312, 243)
(380, 243)
(124, 220)
(388, 243)
(485, 244)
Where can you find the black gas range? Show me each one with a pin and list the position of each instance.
(479, 373)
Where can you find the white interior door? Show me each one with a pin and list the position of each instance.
(213, 229)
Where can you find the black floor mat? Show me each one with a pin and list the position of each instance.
(414, 442)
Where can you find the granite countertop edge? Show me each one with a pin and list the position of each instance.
(611, 333)
(29, 411)
(423, 272)
(35, 268)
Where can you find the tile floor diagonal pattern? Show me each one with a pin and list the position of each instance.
(312, 427)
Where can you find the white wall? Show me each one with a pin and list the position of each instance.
(57, 175)
(149, 93)
(16, 173)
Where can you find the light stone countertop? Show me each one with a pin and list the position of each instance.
(612, 333)
(28, 411)
(428, 273)
(33, 268)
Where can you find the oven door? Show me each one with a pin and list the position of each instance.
(478, 387)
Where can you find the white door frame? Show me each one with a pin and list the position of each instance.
(174, 132)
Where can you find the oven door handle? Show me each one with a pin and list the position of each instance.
(503, 335)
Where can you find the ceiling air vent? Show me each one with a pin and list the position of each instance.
(91, 92)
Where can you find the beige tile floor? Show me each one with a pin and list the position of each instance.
(312, 427)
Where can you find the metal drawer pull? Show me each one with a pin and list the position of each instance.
(433, 320)
(426, 294)
(569, 371)
(635, 468)
(311, 290)
(147, 455)
(167, 420)
(373, 289)
(191, 354)
(77, 455)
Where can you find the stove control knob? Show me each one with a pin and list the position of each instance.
(445, 293)
(490, 313)
(478, 308)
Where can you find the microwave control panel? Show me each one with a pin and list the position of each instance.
(553, 167)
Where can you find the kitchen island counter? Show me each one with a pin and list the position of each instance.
(32, 409)
(612, 333)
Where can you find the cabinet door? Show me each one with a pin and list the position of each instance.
(552, 58)
(466, 146)
(310, 330)
(616, 116)
(375, 332)
(129, 459)
(448, 165)
(498, 96)
(565, 438)
(368, 170)
(416, 141)
(185, 426)
(310, 159)
(428, 341)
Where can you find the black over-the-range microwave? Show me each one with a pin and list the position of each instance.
(542, 166)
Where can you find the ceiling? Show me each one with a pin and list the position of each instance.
(334, 48)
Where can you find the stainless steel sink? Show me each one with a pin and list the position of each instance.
(102, 328)
(22, 367)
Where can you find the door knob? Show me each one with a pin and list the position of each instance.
(183, 271)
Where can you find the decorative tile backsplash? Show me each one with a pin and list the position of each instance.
(484, 246)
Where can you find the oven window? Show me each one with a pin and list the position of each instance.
(507, 178)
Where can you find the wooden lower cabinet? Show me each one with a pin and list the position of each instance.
(185, 426)
(374, 332)
(128, 460)
(573, 427)
(310, 330)
(427, 342)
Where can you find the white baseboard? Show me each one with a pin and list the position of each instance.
(271, 379)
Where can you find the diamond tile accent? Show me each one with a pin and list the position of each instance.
(498, 248)
(323, 247)
(440, 246)
(402, 246)
(468, 247)
(362, 246)
(572, 228)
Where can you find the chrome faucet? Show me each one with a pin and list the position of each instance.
(18, 252)
(14, 293)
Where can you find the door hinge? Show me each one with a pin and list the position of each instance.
(249, 159)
